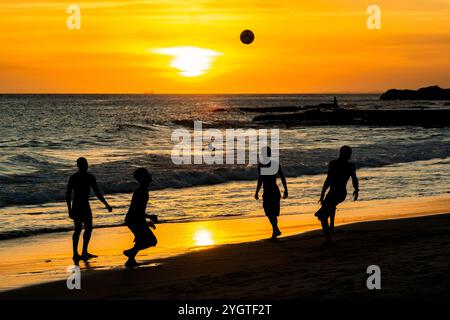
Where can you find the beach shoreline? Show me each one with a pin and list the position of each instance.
(299, 267)
(178, 242)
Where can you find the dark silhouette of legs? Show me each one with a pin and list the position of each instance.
(332, 214)
(275, 230)
(131, 253)
(86, 238)
(144, 238)
(326, 230)
(76, 238)
(326, 211)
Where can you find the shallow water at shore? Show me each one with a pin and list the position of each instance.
(413, 179)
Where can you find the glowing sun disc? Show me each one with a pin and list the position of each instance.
(190, 61)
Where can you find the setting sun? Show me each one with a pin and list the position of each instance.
(190, 61)
(194, 46)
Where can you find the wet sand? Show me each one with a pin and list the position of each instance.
(229, 259)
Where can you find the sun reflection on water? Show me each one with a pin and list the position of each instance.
(203, 238)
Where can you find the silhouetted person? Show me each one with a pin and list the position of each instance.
(339, 172)
(79, 209)
(271, 195)
(135, 218)
(335, 103)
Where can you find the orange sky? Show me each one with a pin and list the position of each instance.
(300, 46)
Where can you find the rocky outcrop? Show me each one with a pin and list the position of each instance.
(428, 93)
(424, 118)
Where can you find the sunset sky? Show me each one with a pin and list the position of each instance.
(193, 46)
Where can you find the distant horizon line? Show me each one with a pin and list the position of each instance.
(181, 93)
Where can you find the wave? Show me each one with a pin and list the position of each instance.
(217, 124)
(14, 234)
(123, 126)
(33, 159)
(48, 182)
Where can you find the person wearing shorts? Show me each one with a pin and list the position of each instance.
(80, 184)
(339, 172)
(271, 194)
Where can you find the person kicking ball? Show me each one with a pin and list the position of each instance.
(339, 172)
(135, 219)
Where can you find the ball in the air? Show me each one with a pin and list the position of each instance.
(247, 37)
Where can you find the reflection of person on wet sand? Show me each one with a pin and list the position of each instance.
(135, 218)
(79, 208)
(339, 172)
(271, 195)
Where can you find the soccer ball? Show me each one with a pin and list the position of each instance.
(247, 37)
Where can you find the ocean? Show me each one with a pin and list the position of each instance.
(41, 136)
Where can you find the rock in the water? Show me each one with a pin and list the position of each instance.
(424, 118)
(428, 93)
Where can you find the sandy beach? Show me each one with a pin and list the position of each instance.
(239, 263)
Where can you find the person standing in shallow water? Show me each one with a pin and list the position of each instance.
(271, 195)
(339, 172)
(79, 209)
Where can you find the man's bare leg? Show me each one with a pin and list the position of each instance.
(86, 238)
(131, 254)
(76, 239)
(332, 215)
(326, 231)
(275, 230)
